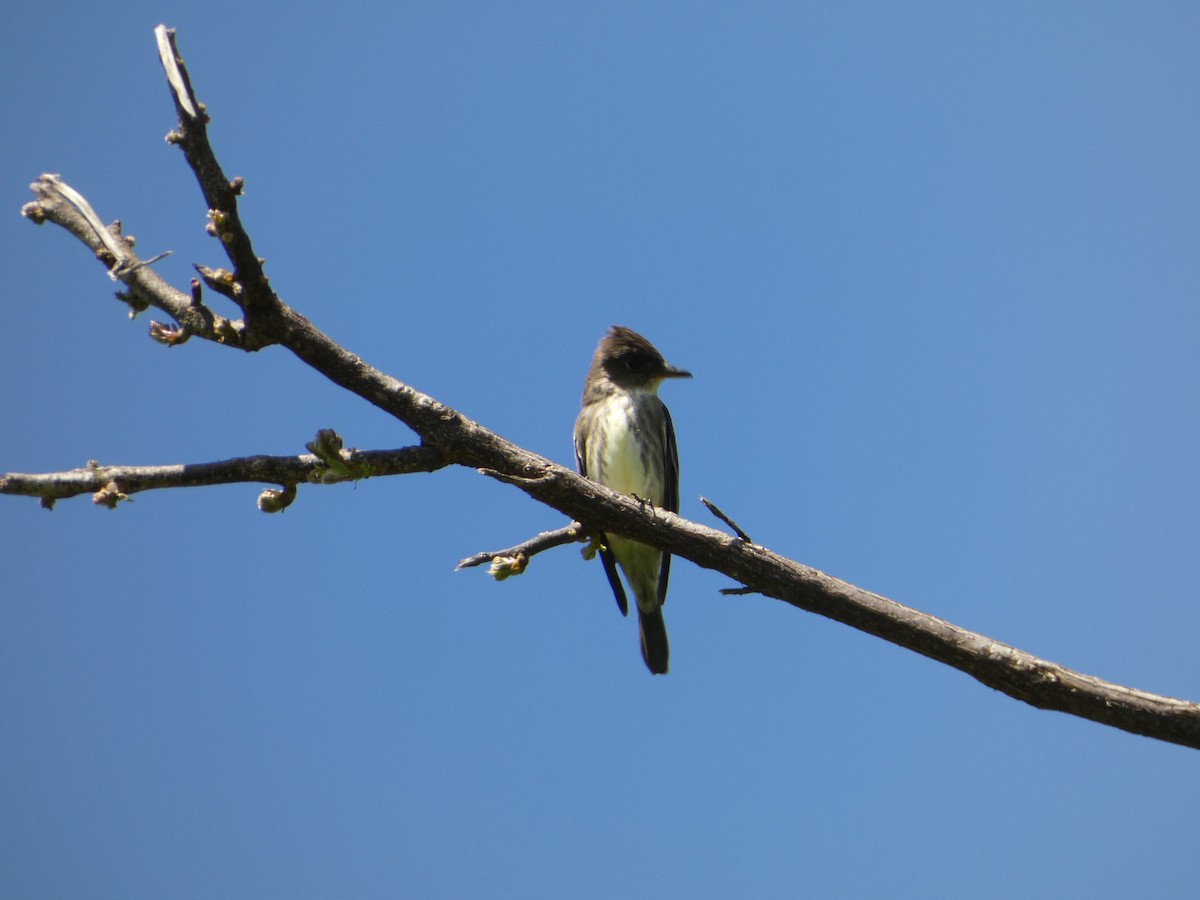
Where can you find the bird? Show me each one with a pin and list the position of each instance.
(625, 440)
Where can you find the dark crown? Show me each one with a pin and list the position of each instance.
(626, 355)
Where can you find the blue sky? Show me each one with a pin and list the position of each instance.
(934, 268)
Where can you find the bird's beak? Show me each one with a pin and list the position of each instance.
(673, 372)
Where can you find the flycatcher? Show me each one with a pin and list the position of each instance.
(624, 439)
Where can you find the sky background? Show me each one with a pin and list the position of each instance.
(935, 268)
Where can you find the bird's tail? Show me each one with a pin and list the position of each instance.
(653, 630)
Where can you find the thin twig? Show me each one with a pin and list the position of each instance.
(547, 540)
(715, 510)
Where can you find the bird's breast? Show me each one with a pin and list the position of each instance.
(630, 451)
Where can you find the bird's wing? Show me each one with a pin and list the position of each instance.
(670, 464)
(670, 493)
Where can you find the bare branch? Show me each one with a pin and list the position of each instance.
(253, 294)
(118, 482)
(547, 540)
(57, 202)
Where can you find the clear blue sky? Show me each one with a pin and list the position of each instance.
(935, 268)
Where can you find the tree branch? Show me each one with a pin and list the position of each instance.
(456, 439)
(253, 294)
(57, 202)
(110, 483)
(520, 554)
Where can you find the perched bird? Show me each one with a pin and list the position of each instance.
(624, 439)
